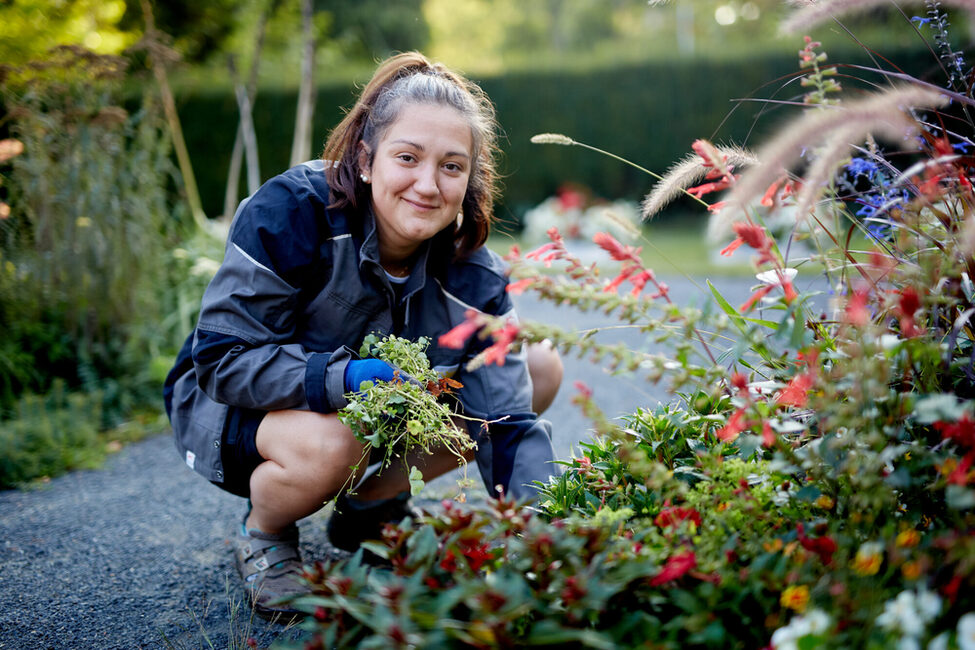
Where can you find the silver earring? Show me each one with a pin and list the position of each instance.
(365, 179)
(460, 219)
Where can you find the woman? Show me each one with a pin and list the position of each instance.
(388, 238)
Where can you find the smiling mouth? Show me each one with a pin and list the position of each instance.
(421, 206)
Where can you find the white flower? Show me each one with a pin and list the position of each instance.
(939, 642)
(910, 612)
(966, 632)
(788, 637)
(773, 277)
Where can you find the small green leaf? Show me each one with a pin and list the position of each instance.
(416, 481)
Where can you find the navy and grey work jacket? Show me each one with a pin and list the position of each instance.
(300, 286)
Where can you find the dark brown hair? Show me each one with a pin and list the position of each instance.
(411, 78)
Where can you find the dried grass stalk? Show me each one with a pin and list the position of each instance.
(688, 172)
(832, 133)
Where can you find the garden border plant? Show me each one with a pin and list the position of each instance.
(811, 485)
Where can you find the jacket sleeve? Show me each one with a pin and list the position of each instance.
(243, 349)
(516, 448)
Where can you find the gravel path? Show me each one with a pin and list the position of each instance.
(137, 554)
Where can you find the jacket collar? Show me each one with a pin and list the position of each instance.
(369, 257)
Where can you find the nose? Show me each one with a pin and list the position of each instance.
(425, 182)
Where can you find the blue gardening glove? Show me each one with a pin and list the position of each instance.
(360, 370)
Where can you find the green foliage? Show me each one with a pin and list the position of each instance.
(408, 415)
(85, 248)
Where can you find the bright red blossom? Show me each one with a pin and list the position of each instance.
(675, 515)
(796, 392)
(823, 546)
(676, 567)
(736, 424)
(962, 431)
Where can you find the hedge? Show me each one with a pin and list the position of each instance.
(648, 113)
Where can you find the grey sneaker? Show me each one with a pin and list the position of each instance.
(270, 566)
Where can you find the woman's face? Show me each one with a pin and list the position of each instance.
(419, 176)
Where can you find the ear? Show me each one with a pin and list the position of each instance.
(363, 158)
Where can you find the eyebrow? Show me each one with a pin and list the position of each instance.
(420, 147)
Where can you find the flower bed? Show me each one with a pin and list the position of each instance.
(812, 482)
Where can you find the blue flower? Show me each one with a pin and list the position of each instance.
(862, 167)
(961, 147)
(920, 20)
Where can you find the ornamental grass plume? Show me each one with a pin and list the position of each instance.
(881, 114)
(688, 172)
(810, 13)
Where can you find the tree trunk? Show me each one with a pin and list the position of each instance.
(232, 194)
(157, 60)
(247, 129)
(301, 145)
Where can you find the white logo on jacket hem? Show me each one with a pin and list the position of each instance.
(190, 458)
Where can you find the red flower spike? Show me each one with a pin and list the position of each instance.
(753, 235)
(514, 254)
(616, 250)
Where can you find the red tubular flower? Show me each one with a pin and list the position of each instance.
(760, 293)
(514, 254)
(518, 288)
(676, 567)
(732, 247)
(796, 392)
(625, 272)
(736, 424)
(616, 250)
(768, 199)
(457, 337)
(856, 312)
(907, 306)
(768, 435)
(753, 235)
(640, 280)
(675, 515)
(503, 339)
(707, 188)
